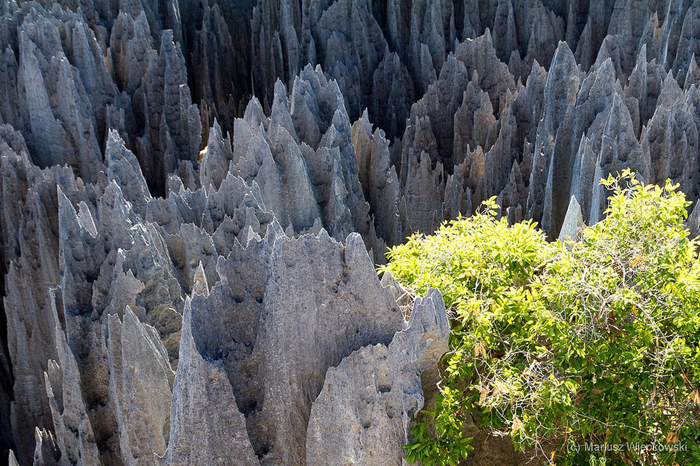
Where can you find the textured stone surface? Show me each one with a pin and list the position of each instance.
(283, 312)
(205, 424)
(573, 222)
(362, 414)
(140, 378)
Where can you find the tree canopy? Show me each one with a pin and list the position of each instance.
(580, 351)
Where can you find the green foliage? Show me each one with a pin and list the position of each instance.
(440, 442)
(584, 353)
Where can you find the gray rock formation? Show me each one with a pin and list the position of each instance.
(362, 414)
(378, 179)
(269, 341)
(115, 316)
(163, 108)
(573, 222)
(59, 110)
(205, 425)
(303, 158)
(140, 385)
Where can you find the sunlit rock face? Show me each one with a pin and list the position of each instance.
(194, 195)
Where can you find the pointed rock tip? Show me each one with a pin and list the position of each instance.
(365, 116)
(563, 54)
(215, 126)
(280, 89)
(355, 247)
(323, 235)
(422, 315)
(254, 114)
(199, 283)
(573, 222)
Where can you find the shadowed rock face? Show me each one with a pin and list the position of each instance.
(294, 308)
(189, 190)
(375, 390)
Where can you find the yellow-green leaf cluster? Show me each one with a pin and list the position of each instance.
(595, 342)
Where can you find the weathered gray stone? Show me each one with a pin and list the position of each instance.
(75, 438)
(573, 222)
(378, 178)
(278, 293)
(215, 158)
(140, 378)
(172, 126)
(363, 412)
(123, 168)
(206, 427)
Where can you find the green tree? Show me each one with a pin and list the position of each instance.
(582, 352)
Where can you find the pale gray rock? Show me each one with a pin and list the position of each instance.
(503, 153)
(75, 440)
(392, 95)
(457, 193)
(504, 30)
(12, 459)
(401, 295)
(551, 159)
(627, 24)
(589, 118)
(422, 33)
(494, 77)
(140, 378)
(189, 248)
(206, 427)
(223, 214)
(619, 150)
(418, 138)
(422, 195)
(277, 294)
(30, 244)
(687, 43)
(693, 222)
(539, 28)
(670, 144)
(303, 159)
(363, 412)
(80, 257)
(378, 179)
(46, 451)
(593, 32)
(275, 44)
(474, 123)
(555, 151)
(573, 222)
(94, 250)
(350, 47)
(123, 168)
(62, 129)
(130, 46)
(265, 158)
(527, 108)
(643, 89)
(215, 158)
(464, 100)
(163, 105)
(693, 75)
(441, 102)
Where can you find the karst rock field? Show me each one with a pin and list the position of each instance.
(194, 196)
